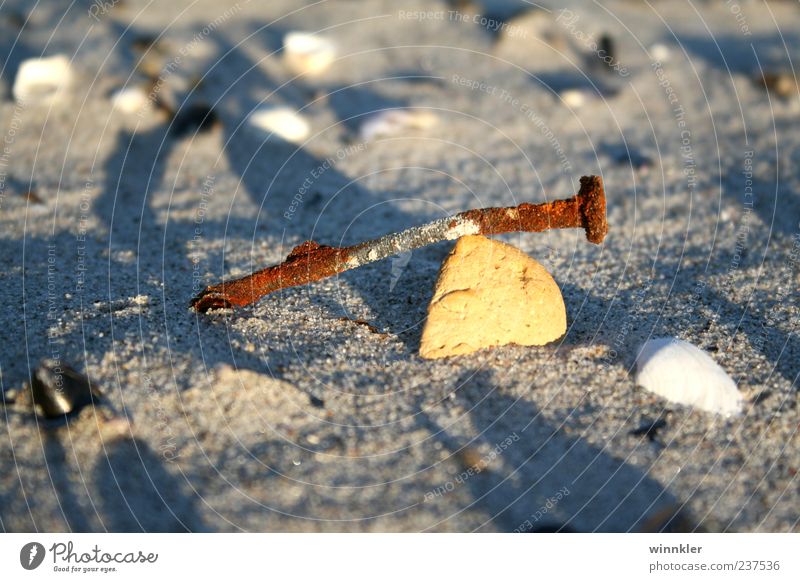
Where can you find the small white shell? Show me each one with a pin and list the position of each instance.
(682, 373)
(395, 121)
(573, 98)
(41, 80)
(660, 52)
(307, 54)
(281, 121)
(130, 100)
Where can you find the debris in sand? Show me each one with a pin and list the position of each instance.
(471, 459)
(308, 54)
(670, 519)
(141, 300)
(42, 80)
(281, 121)
(396, 121)
(146, 42)
(364, 323)
(193, 119)
(680, 372)
(8, 396)
(649, 428)
(573, 98)
(58, 390)
(781, 84)
(32, 197)
(130, 100)
(491, 294)
(660, 53)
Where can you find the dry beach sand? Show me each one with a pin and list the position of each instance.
(293, 414)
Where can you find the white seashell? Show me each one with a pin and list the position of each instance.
(573, 98)
(130, 100)
(395, 121)
(307, 54)
(41, 80)
(683, 373)
(660, 52)
(281, 121)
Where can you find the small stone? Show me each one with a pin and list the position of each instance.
(130, 100)
(660, 53)
(141, 300)
(58, 390)
(607, 51)
(146, 42)
(491, 294)
(307, 54)
(281, 121)
(396, 121)
(670, 519)
(41, 80)
(193, 119)
(9, 396)
(32, 197)
(649, 428)
(471, 458)
(781, 84)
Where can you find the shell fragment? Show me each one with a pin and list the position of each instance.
(680, 372)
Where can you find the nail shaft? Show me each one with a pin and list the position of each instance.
(311, 261)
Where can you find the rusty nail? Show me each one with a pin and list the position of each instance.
(311, 261)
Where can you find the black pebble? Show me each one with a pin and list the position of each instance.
(58, 390)
(196, 118)
(316, 402)
(606, 47)
(649, 428)
(144, 42)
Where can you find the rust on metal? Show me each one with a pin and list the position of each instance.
(311, 261)
(585, 210)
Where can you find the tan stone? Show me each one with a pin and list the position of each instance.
(491, 294)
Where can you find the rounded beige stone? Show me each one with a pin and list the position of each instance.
(491, 294)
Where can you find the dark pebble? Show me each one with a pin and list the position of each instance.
(671, 519)
(196, 118)
(144, 42)
(362, 323)
(761, 397)
(649, 428)
(32, 197)
(606, 48)
(57, 390)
